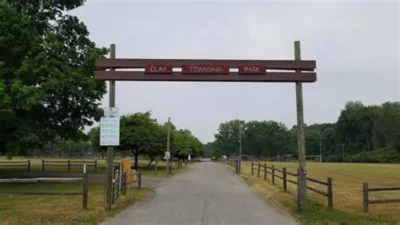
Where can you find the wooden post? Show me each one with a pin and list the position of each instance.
(108, 185)
(85, 190)
(69, 165)
(124, 183)
(252, 164)
(365, 197)
(330, 193)
(300, 136)
(95, 165)
(265, 171)
(169, 169)
(273, 174)
(29, 165)
(42, 165)
(139, 180)
(258, 170)
(284, 175)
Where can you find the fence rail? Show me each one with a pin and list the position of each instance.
(366, 202)
(283, 174)
(26, 164)
(69, 164)
(84, 192)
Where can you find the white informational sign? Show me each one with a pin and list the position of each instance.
(167, 155)
(189, 158)
(109, 131)
(110, 112)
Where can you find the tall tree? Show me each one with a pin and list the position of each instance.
(46, 74)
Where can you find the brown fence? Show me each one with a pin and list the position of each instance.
(13, 164)
(366, 202)
(235, 163)
(84, 192)
(68, 164)
(284, 176)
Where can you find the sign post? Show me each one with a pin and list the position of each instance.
(168, 152)
(110, 150)
(301, 148)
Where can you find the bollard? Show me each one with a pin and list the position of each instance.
(273, 174)
(284, 175)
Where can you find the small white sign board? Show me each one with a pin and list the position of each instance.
(109, 131)
(167, 155)
(110, 112)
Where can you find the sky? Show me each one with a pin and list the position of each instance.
(355, 44)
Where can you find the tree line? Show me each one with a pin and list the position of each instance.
(362, 133)
(141, 135)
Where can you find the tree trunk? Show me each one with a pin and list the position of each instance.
(151, 160)
(136, 166)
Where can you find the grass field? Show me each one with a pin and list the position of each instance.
(347, 191)
(36, 166)
(60, 209)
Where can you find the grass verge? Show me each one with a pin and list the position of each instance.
(16, 209)
(317, 212)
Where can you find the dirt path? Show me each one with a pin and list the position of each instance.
(206, 194)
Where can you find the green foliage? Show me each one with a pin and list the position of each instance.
(359, 130)
(46, 74)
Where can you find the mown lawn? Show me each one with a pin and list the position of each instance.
(16, 209)
(347, 192)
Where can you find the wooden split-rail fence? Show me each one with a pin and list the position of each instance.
(69, 164)
(19, 164)
(84, 192)
(285, 176)
(366, 190)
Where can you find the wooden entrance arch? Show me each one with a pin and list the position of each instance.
(206, 70)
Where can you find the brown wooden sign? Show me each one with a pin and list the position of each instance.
(205, 69)
(252, 70)
(158, 69)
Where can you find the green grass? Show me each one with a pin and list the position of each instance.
(347, 194)
(60, 209)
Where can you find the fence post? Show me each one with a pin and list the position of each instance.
(95, 165)
(284, 179)
(273, 174)
(69, 165)
(42, 165)
(124, 183)
(258, 170)
(252, 164)
(85, 189)
(330, 193)
(265, 171)
(29, 165)
(365, 197)
(139, 180)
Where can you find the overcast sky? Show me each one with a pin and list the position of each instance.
(355, 44)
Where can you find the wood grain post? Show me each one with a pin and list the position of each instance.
(330, 193)
(273, 174)
(265, 171)
(252, 164)
(258, 170)
(69, 165)
(29, 165)
(42, 165)
(139, 180)
(108, 185)
(85, 190)
(124, 183)
(95, 165)
(284, 175)
(365, 197)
